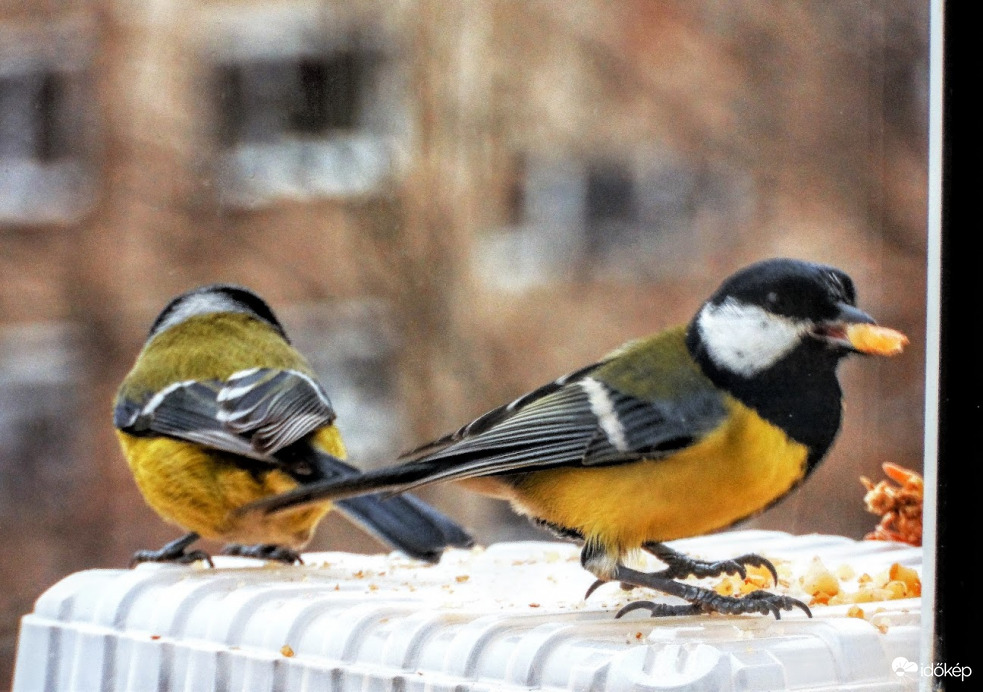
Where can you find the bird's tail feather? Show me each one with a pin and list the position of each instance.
(406, 523)
(380, 481)
(403, 521)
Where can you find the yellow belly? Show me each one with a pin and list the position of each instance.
(196, 489)
(733, 473)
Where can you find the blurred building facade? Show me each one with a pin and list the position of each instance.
(447, 204)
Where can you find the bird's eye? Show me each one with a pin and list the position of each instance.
(771, 299)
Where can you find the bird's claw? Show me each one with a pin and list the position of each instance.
(755, 560)
(707, 601)
(659, 609)
(593, 587)
(264, 551)
(680, 566)
(180, 558)
(625, 586)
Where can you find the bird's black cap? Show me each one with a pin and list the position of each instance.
(792, 288)
(215, 298)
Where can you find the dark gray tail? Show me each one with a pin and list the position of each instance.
(403, 521)
(340, 481)
(406, 523)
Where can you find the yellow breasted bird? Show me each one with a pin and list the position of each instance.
(221, 410)
(679, 434)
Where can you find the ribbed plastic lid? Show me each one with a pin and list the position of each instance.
(508, 617)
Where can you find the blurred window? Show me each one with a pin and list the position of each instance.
(42, 176)
(296, 125)
(268, 101)
(627, 216)
(610, 212)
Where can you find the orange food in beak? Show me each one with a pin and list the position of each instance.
(878, 341)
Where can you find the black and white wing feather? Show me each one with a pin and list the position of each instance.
(496, 416)
(255, 412)
(576, 421)
(274, 408)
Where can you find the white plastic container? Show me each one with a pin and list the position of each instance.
(511, 617)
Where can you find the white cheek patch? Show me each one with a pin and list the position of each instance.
(746, 339)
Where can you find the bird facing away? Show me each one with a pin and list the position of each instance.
(675, 435)
(220, 410)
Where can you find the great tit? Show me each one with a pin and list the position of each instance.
(678, 434)
(220, 410)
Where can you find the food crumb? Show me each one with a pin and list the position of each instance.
(287, 651)
(841, 586)
(819, 582)
(881, 623)
(899, 505)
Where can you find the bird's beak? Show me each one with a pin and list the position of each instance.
(854, 330)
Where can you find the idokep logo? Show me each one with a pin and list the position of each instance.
(903, 667)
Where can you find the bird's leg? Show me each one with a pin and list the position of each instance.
(680, 566)
(173, 552)
(700, 599)
(264, 551)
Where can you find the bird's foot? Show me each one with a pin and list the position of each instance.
(703, 600)
(709, 601)
(175, 552)
(680, 566)
(264, 551)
